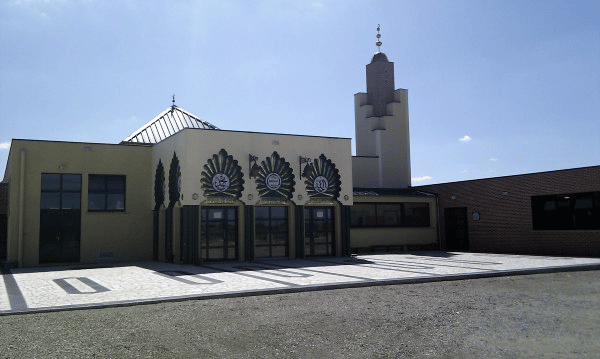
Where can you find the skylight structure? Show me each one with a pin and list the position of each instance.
(168, 123)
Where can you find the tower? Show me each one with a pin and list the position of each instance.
(381, 123)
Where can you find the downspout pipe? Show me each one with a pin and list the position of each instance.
(21, 208)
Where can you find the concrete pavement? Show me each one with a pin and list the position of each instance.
(27, 290)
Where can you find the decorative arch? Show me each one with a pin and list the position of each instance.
(222, 176)
(275, 178)
(323, 179)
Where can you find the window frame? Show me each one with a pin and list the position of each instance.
(564, 213)
(379, 210)
(106, 192)
(61, 191)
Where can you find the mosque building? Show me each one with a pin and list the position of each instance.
(181, 190)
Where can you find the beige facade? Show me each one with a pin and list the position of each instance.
(120, 236)
(133, 232)
(194, 150)
(194, 147)
(393, 230)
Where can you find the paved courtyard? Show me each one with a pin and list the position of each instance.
(29, 290)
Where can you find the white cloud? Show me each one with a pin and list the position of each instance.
(317, 4)
(422, 178)
(493, 159)
(465, 139)
(4, 145)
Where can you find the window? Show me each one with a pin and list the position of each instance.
(566, 211)
(60, 191)
(416, 214)
(390, 215)
(106, 193)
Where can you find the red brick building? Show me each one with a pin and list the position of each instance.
(547, 213)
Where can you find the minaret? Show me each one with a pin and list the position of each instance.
(382, 135)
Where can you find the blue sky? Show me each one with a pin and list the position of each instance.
(495, 87)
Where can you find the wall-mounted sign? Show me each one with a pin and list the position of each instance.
(275, 178)
(222, 176)
(323, 179)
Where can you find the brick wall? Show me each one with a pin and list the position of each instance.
(504, 206)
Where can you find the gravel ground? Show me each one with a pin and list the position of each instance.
(534, 316)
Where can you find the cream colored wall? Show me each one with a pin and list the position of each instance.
(364, 172)
(365, 139)
(395, 143)
(194, 148)
(128, 234)
(387, 138)
(395, 236)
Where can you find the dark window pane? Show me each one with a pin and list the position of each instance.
(96, 202)
(362, 215)
(416, 214)
(96, 184)
(564, 203)
(115, 202)
(115, 184)
(550, 205)
(278, 212)
(581, 203)
(231, 214)
(50, 200)
(389, 215)
(71, 200)
(71, 183)
(50, 182)
(261, 212)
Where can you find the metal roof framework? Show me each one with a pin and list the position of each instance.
(168, 123)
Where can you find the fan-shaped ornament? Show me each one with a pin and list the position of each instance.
(324, 179)
(275, 178)
(222, 176)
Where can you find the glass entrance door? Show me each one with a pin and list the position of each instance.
(272, 234)
(219, 233)
(60, 218)
(319, 235)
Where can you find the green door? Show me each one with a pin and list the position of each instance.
(60, 218)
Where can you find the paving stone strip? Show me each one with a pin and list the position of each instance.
(27, 290)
